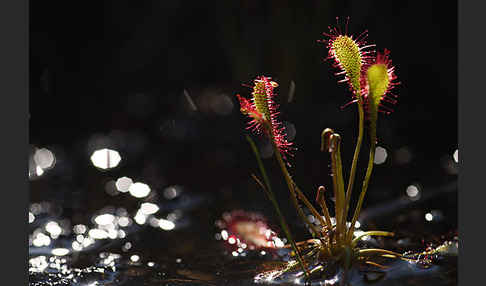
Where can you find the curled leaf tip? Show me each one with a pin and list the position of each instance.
(325, 139)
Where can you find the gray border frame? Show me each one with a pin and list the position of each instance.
(14, 139)
(471, 197)
(14, 69)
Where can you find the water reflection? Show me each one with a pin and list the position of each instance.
(38, 264)
(242, 232)
(157, 227)
(109, 259)
(107, 225)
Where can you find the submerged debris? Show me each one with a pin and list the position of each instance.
(243, 230)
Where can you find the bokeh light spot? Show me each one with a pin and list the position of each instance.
(41, 240)
(403, 156)
(105, 158)
(104, 219)
(149, 208)
(44, 158)
(171, 192)
(140, 218)
(39, 171)
(110, 188)
(166, 224)
(60, 251)
(124, 221)
(413, 192)
(96, 233)
(123, 184)
(79, 228)
(53, 228)
(139, 190)
(380, 155)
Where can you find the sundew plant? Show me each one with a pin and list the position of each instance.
(370, 77)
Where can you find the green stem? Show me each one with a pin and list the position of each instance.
(339, 172)
(373, 251)
(371, 233)
(271, 196)
(357, 149)
(322, 202)
(338, 183)
(365, 184)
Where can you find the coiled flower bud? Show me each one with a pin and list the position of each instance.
(263, 112)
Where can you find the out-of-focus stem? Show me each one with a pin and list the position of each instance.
(291, 185)
(271, 196)
(306, 202)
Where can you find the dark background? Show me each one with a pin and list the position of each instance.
(99, 66)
